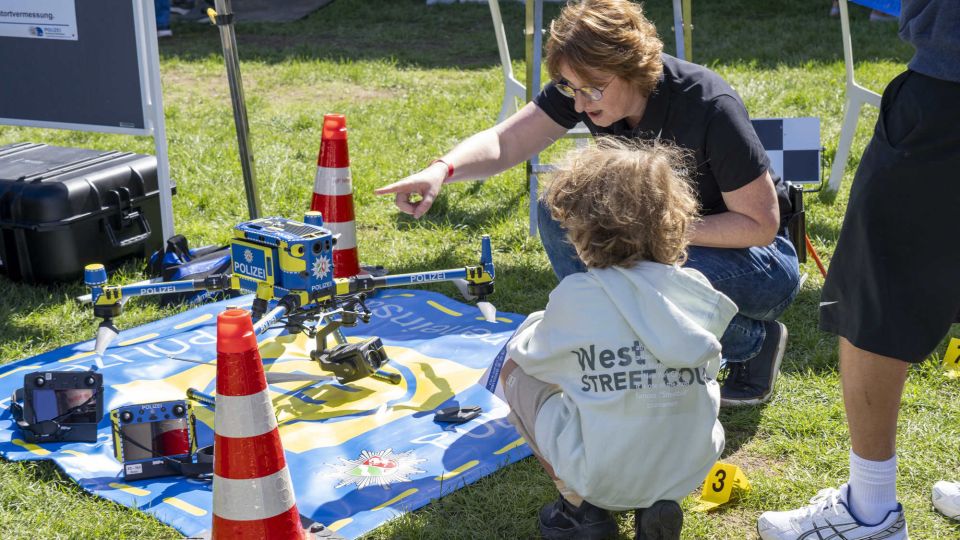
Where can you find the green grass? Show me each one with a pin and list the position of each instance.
(412, 81)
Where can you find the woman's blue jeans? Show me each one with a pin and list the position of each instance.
(162, 9)
(762, 281)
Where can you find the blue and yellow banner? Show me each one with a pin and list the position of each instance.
(359, 454)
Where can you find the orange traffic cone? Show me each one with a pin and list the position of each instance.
(333, 194)
(252, 492)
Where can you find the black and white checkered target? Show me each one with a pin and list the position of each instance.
(793, 146)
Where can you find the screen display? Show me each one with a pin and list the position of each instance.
(154, 439)
(66, 406)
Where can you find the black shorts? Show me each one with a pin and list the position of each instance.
(893, 287)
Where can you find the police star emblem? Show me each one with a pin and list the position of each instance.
(321, 267)
(248, 256)
(376, 468)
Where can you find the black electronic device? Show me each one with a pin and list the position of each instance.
(59, 406)
(158, 439)
(457, 414)
(797, 225)
(353, 361)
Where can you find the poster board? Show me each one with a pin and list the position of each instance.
(85, 66)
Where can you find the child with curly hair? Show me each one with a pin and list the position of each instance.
(613, 384)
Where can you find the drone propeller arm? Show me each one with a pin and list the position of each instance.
(480, 274)
(109, 295)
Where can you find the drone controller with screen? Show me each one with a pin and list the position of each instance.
(59, 406)
(157, 439)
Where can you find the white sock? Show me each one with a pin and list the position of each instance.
(872, 489)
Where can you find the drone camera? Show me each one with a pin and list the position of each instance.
(353, 361)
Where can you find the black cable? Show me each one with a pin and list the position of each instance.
(68, 412)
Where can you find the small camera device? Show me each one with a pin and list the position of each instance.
(59, 406)
(353, 361)
(158, 439)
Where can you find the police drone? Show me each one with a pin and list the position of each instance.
(289, 266)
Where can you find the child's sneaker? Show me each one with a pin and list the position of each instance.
(827, 516)
(662, 521)
(946, 498)
(560, 520)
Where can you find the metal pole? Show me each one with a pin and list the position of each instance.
(534, 42)
(145, 16)
(688, 30)
(528, 33)
(678, 29)
(228, 40)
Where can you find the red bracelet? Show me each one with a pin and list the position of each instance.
(449, 167)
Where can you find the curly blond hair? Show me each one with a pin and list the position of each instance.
(611, 36)
(623, 201)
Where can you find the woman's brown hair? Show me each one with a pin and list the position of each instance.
(611, 36)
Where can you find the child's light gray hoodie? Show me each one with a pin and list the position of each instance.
(635, 352)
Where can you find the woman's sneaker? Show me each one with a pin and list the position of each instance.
(662, 521)
(560, 520)
(946, 498)
(828, 516)
(751, 382)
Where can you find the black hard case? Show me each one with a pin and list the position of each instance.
(63, 208)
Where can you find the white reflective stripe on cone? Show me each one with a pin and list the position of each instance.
(332, 181)
(347, 231)
(256, 498)
(244, 416)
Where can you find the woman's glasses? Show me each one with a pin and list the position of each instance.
(589, 92)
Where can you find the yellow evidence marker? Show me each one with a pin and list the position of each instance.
(719, 485)
(951, 359)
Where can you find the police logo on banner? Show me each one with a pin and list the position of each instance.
(376, 468)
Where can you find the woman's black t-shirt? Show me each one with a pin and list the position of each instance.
(695, 109)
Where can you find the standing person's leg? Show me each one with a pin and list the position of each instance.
(866, 506)
(891, 295)
(872, 386)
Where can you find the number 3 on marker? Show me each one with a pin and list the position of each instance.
(718, 486)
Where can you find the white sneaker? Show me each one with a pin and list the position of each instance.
(946, 498)
(828, 518)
